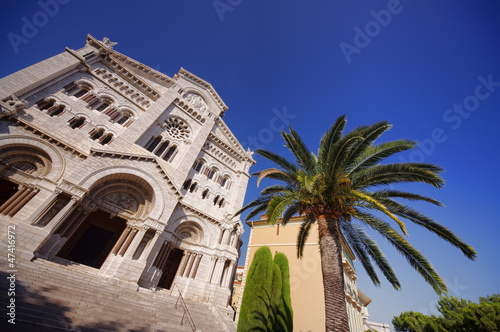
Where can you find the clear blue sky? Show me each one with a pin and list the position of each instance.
(422, 65)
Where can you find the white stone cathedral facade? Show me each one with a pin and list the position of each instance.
(108, 163)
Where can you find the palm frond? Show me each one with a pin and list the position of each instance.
(376, 153)
(278, 204)
(387, 193)
(289, 213)
(278, 160)
(301, 152)
(304, 230)
(413, 256)
(429, 224)
(379, 206)
(369, 136)
(330, 138)
(395, 173)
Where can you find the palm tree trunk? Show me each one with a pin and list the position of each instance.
(333, 274)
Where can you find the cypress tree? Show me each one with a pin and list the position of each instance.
(283, 321)
(256, 302)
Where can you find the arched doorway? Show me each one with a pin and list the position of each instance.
(92, 242)
(170, 271)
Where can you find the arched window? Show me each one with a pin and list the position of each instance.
(193, 187)
(152, 143)
(56, 110)
(221, 202)
(169, 154)
(212, 173)
(81, 93)
(216, 199)
(106, 139)
(187, 184)
(204, 194)
(96, 133)
(76, 122)
(198, 166)
(45, 104)
(103, 106)
(123, 119)
(162, 148)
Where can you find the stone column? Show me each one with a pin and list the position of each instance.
(128, 240)
(185, 259)
(211, 267)
(225, 237)
(192, 259)
(148, 249)
(63, 213)
(136, 241)
(22, 203)
(230, 274)
(121, 239)
(218, 270)
(197, 264)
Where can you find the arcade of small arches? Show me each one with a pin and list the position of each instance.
(100, 103)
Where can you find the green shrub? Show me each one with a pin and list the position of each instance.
(283, 321)
(256, 302)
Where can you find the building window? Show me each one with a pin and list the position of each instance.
(54, 111)
(216, 199)
(102, 107)
(77, 122)
(96, 133)
(177, 128)
(81, 93)
(198, 166)
(169, 155)
(221, 202)
(186, 184)
(204, 194)
(162, 148)
(45, 104)
(152, 143)
(212, 173)
(106, 139)
(193, 187)
(123, 119)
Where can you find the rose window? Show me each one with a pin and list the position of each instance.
(176, 128)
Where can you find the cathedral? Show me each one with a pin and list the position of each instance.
(111, 167)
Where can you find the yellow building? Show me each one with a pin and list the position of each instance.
(306, 281)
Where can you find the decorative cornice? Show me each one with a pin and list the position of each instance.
(233, 139)
(138, 157)
(192, 77)
(200, 214)
(50, 138)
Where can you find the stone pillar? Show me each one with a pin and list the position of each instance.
(218, 270)
(211, 267)
(184, 262)
(197, 264)
(136, 241)
(192, 259)
(42, 208)
(148, 249)
(22, 203)
(121, 239)
(225, 237)
(128, 240)
(230, 274)
(63, 213)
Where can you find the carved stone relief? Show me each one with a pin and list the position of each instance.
(197, 101)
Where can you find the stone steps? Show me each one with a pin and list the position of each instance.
(64, 296)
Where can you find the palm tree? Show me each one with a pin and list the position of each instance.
(340, 188)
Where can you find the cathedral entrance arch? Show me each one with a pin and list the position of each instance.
(173, 262)
(93, 240)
